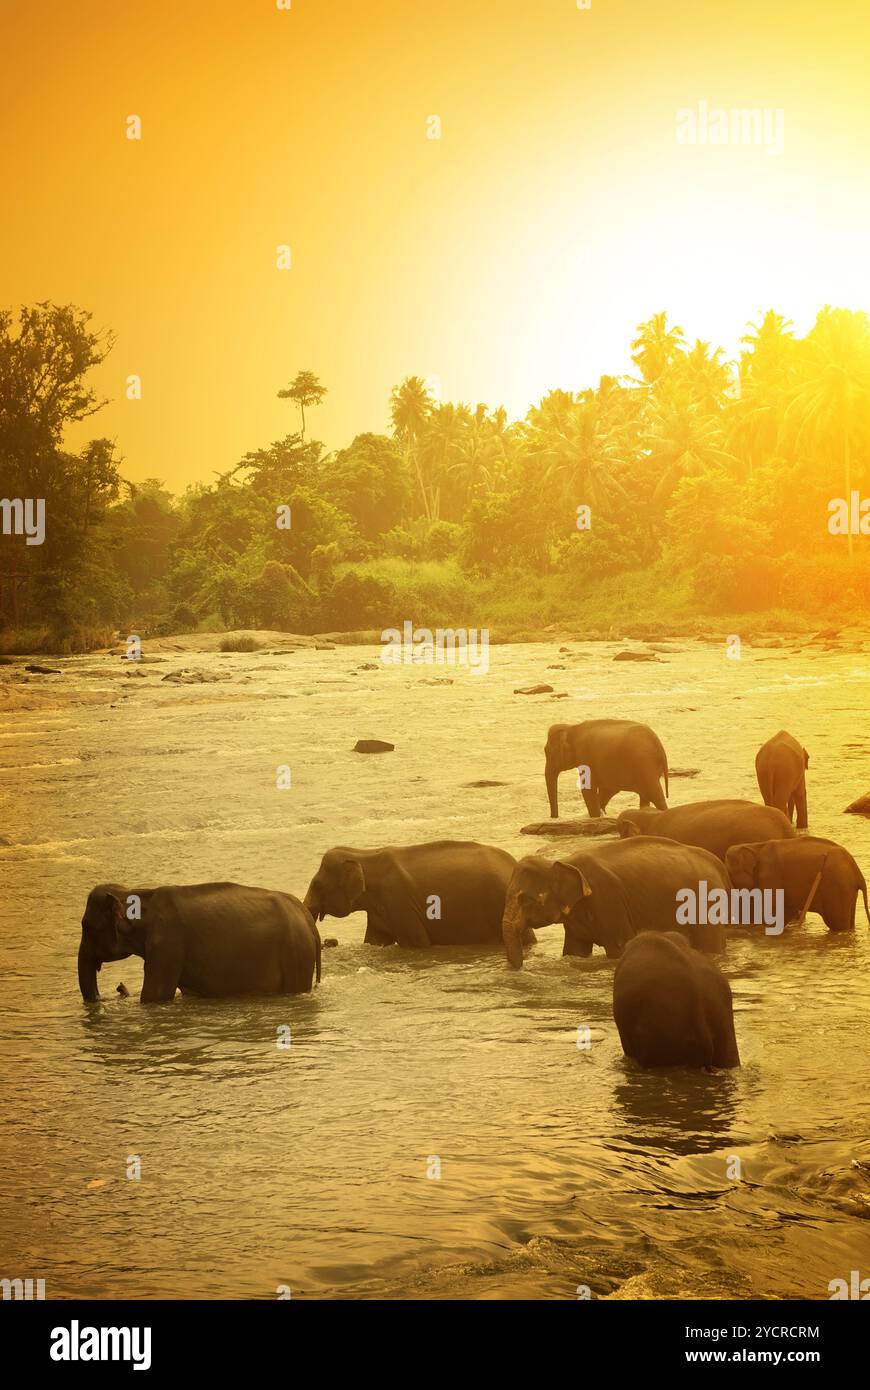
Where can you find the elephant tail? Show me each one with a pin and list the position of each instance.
(667, 788)
(318, 946)
(864, 892)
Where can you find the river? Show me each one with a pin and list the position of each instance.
(434, 1130)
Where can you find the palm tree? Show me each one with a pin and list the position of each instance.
(830, 408)
(766, 373)
(444, 451)
(578, 445)
(709, 380)
(683, 439)
(656, 347)
(410, 408)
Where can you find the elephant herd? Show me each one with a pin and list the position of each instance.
(658, 899)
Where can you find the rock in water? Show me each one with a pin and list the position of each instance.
(372, 745)
(636, 656)
(534, 690)
(861, 807)
(600, 825)
(683, 771)
(329, 941)
(43, 670)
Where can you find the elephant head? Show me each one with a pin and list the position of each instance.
(741, 862)
(636, 822)
(107, 934)
(540, 892)
(337, 888)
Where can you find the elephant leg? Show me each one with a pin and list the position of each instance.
(839, 916)
(593, 805)
(398, 908)
(161, 979)
(576, 945)
(376, 932)
(606, 794)
(651, 794)
(800, 804)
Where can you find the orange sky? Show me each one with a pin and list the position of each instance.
(514, 255)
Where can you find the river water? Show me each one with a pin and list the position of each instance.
(315, 1167)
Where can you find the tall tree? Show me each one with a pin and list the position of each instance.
(45, 358)
(656, 347)
(830, 410)
(305, 390)
(410, 408)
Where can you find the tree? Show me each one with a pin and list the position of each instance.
(830, 409)
(410, 408)
(656, 347)
(304, 390)
(682, 440)
(766, 374)
(369, 480)
(44, 360)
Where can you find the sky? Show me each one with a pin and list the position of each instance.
(514, 254)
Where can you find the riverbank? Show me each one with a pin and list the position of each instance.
(776, 628)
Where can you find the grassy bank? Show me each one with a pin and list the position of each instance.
(513, 606)
(32, 641)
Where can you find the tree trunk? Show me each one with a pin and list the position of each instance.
(847, 459)
(409, 454)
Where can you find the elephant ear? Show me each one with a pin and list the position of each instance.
(569, 886)
(353, 879)
(115, 916)
(556, 749)
(742, 859)
(806, 758)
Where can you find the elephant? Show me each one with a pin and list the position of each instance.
(672, 1006)
(780, 766)
(447, 892)
(620, 755)
(216, 940)
(793, 866)
(711, 825)
(607, 894)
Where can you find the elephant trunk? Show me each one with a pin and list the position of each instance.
(88, 967)
(513, 930)
(312, 902)
(552, 778)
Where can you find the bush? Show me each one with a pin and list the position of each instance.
(243, 643)
(184, 619)
(361, 600)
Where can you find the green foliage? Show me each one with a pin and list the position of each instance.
(371, 483)
(707, 484)
(360, 600)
